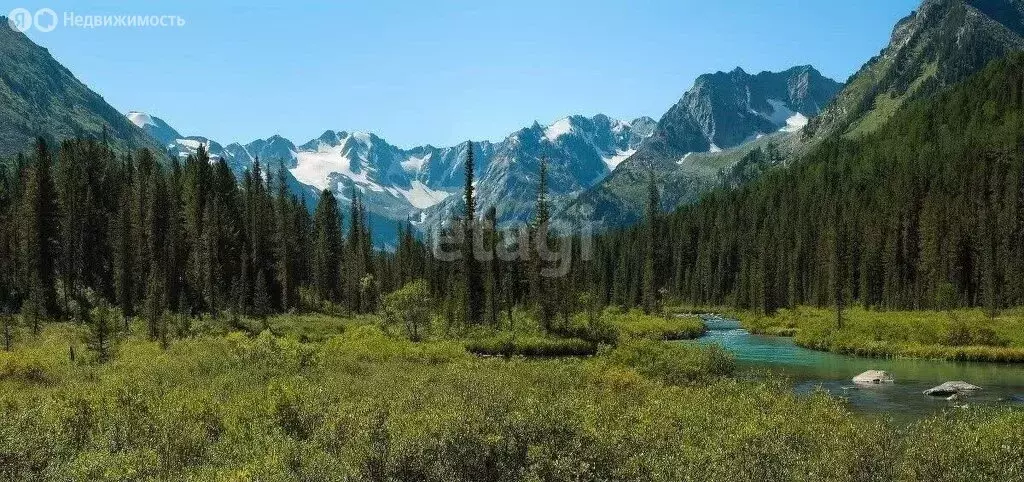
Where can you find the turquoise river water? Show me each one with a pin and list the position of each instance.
(1002, 384)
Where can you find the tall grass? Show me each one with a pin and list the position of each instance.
(364, 405)
(965, 335)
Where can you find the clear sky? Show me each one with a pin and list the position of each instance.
(427, 72)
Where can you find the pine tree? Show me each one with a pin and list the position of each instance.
(261, 297)
(494, 284)
(124, 271)
(542, 245)
(38, 239)
(7, 324)
(650, 289)
(471, 265)
(284, 242)
(155, 302)
(326, 247)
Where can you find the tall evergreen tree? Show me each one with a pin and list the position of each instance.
(470, 264)
(650, 288)
(542, 245)
(326, 247)
(38, 238)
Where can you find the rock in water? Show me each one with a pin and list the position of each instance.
(873, 377)
(951, 388)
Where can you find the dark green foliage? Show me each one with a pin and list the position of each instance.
(508, 344)
(926, 212)
(674, 363)
(325, 258)
(38, 238)
(472, 278)
(101, 325)
(651, 248)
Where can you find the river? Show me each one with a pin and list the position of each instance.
(1002, 384)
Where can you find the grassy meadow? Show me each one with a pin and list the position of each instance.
(962, 334)
(335, 398)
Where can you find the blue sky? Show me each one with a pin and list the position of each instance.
(423, 72)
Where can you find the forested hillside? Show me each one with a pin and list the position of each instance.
(40, 97)
(927, 212)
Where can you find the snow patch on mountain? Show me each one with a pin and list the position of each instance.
(140, 119)
(192, 144)
(421, 196)
(780, 112)
(613, 161)
(795, 123)
(317, 168)
(560, 128)
(413, 164)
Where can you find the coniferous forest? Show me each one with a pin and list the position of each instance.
(926, 213)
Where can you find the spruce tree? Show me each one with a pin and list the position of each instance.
(38, 238)
(7, 324)
(155, 302)
(494, 285)
(326, 248)
(100, 330)
(284, 242)
(541, 245)
(471, 265)
(650, 288)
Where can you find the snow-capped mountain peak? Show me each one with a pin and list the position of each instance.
(423, 182)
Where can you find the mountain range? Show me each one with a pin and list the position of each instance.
(421, 184)
(418, 184)
(599, 167)
(722, 111)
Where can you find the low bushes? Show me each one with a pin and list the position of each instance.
(674, 363)
(506, 344)
(28, 368)
(367, 406)
(636, 324)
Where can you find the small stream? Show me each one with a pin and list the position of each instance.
(1002, 384)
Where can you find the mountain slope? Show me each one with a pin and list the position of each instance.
(724, 110)
(580, 152)
(722, 115)
(421, 183)
(938, 45)
(39, 97)
(919, 214)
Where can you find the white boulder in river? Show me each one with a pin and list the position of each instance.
(873, 377)
(951, 388)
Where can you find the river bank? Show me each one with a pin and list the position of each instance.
(811, 371)
(956, 335)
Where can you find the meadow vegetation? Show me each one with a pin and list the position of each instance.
(960, 334)
(328, 398)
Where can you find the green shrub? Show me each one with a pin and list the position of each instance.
(635, 324)
(506, 344)
(363, 405)
(674, 363)
(410, 307)
(25, 367)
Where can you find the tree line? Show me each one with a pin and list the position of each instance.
(927, 212)
(82, 226)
